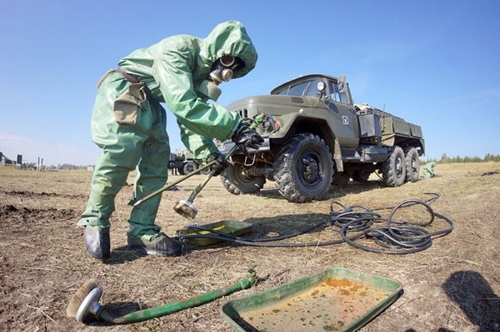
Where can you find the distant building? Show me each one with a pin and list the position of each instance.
(6, 161)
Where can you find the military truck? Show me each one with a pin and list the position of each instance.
(183, 162)
(316, 137)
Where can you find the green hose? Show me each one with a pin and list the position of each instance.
(169, 308)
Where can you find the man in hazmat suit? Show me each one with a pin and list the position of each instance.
(129, 125)
(429, 169)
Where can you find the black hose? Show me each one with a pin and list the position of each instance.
(396, 237)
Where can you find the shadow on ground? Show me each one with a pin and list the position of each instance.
(473, 294)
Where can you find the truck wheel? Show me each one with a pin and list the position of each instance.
(412, 164)
(236, 180)
(190, 167)
(394, 168)
(303, 169)
(361, 176)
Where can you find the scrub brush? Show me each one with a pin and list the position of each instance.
(85, 300)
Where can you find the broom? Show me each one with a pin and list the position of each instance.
(86, 301)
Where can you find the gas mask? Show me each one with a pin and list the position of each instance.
(222, 71)
(223, 68)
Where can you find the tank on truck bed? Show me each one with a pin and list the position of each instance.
(316, 137)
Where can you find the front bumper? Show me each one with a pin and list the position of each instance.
(226, 146)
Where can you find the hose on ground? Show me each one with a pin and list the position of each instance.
(355, 224)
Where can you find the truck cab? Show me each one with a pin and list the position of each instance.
(316, 136)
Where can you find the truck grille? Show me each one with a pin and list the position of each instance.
(243, 113)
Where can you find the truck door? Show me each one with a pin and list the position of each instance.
(346, 128)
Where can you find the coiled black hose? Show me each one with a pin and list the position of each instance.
(355, 223)
(401, 237)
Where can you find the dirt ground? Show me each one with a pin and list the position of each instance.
(452, 286)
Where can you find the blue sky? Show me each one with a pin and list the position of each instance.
(434, 63)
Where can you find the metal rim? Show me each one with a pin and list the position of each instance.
(89, 304)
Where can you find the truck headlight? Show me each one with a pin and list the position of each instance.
(270, 124)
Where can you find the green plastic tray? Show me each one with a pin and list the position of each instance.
(335, 300)
(235, 228)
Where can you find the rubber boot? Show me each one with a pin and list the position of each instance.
(156, 245)
(97, 242)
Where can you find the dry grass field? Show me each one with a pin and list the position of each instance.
(452, 286)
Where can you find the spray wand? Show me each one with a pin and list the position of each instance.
(187, 208)
(168, 186)
(86, 301)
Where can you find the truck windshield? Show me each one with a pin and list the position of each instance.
(302, 89)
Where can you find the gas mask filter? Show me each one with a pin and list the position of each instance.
(209, 90)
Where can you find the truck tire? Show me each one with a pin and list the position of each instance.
(190, 167)
(237, 181)
(394, 168)
(412, 164)
(303, 169)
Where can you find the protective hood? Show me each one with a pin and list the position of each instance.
(229, 38)
(174, 70)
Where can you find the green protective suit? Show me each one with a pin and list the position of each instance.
(429, 169)
(129, 123)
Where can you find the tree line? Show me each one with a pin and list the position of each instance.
(458, 159)
(444, 159)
